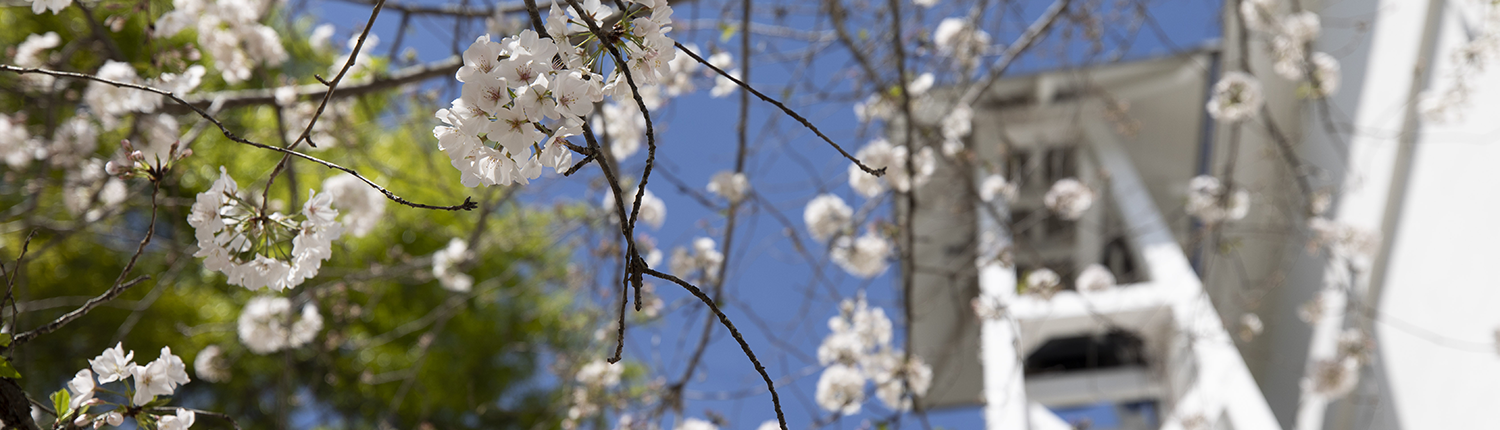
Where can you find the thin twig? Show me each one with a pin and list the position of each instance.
(788, 111)
(745, 346)
(119, 287)
(306, 135)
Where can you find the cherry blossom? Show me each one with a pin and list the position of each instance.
(1208, 203)
(266, 325)
(826, 216)
(841, 389)
(864, 257)
(1042, 282)
(444, 268)
(1236, 97)
(1094, 278)
(211, 365)
(1069, 198)
(731, 186)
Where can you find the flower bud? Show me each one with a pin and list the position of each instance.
(136, 156)
(82, 420)
(125, 144)
(114, 418)
(114, 169)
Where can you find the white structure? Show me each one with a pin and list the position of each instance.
(1154, 352)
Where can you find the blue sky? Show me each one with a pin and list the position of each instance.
(772, 288)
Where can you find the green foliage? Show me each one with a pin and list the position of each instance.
(396, 347)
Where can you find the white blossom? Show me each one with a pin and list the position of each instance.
(1236, 97)
(880, 153)
(225, 228)
(864, 257)
(108, 101)
(362, 205)
(182, 420)
(444, 268)
(1208, 203)
(1250, 326)
(56, 6)
(955, 126)
(841, 389)
(704, 257)
(30, 53)
(158, 378)
(1094, 278)
(81, 388)
(731, 186)
(653, 209)
(115, 364)
(1258, 14)
(696, 424)
(1332, 378)
(211, 365)
(893, 382)
(826, 216)
(267, 325)
(1069, 198)
(16, 145)
(1325, 73)
(996, 186)
(321, 37)
(1301, 27)
(75, 141)
(1042, 282)
(599, 373)
(960, 40)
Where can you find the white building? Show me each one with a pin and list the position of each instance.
(1163, 349)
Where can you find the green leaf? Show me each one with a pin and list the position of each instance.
(727, 32)
(60, 401)
(7, 371)
(4, 340)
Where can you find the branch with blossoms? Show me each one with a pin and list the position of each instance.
(468, 204)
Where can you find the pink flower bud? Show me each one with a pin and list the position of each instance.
(125, 144)
(114, 169)
(136, 156)
(82, 420)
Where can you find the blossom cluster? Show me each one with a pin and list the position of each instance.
(831, 220)
(231, 32)
(235, 237)
(859, 351)
(142, 385)
(1210, 202)
(524, 94)
(1468, 63)
(1337, 376)
(445, 266)
(267, 325)
(704, 258)
(1236, 97)
(1069, 198)
(1289, 35)
(108, 101)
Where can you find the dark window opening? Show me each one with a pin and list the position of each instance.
(1117, 348)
